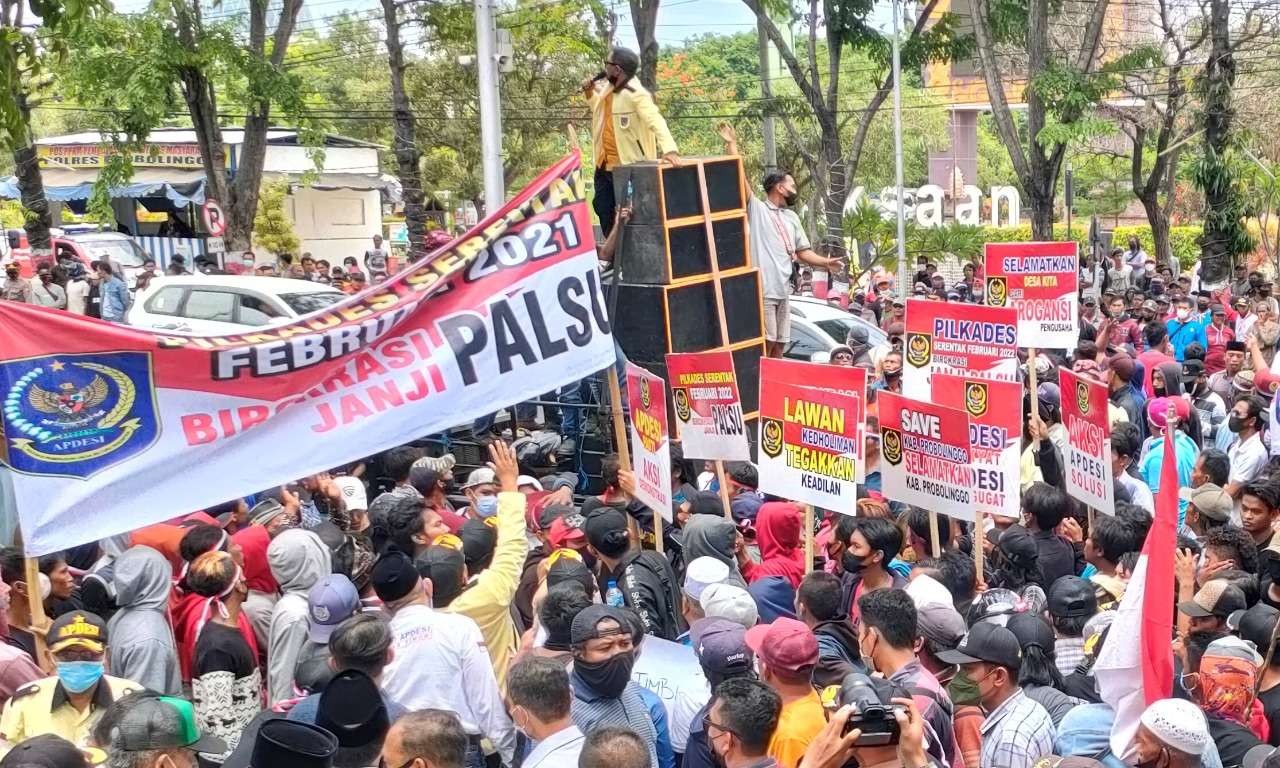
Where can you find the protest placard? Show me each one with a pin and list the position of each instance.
(839, 379)
(650, 446)
(808, 444)
(704, 390)
(925, 455)
(1087, 460)
(1041, 281)
(995, 434)
(958, 339)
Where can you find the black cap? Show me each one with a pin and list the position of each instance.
(987, 642)
(352, 709)
(478, 542)
(568, 568)
(1072, 596)
(586, 624)
(393, 576)
(45, 751)
(1018, 546)
(446, 567)
(602, 524)
(294, 744)
(553, 512)
(1031, 630)
(1257, 625)
(77, 629)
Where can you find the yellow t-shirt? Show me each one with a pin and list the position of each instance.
(799, 723)
(610, 154)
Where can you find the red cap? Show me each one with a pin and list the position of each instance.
(1266, 382)
(562, 533)
(786, 644)
(451, 519)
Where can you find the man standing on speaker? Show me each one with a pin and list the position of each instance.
(626, 127)
(777, 240)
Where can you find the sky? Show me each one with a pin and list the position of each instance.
(678, 20)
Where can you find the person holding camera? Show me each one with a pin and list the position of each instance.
(886, 638)
(1017, 731)
(839, 741)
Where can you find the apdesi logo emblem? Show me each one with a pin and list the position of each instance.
(997, 291)
(975, 398)
(891, 445)
(919, 349)
(771, 438)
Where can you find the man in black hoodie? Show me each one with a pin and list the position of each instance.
(818, 606)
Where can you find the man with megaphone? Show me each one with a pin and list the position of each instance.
(626, 127)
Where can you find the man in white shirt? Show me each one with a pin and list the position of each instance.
(46, 292)
(778, 239)
(440, 660)
(540, 701)
(1247, 454)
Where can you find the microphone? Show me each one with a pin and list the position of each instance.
(599, 76)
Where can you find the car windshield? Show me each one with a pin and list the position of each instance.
(306, 303)
(122, 251)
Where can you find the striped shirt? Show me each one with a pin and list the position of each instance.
(627, 711)
(1016, 734)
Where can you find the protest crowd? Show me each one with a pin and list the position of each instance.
(391, 612)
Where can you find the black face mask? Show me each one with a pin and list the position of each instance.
(607, 678)
(852, 564)
(890, 375)
(1159, 390)
(588, 559)
(791, 199)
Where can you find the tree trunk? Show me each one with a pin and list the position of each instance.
(644, 16)
(837, 191)
(1042, 213)
(1220, 197)
(404, 143)
(26, 166)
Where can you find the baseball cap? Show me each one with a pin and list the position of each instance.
(729, 601)
(566, 529)
(524, 480)
(1150, 305)
(352, 709)
(1257, 625)
(987, 642)
(481, 476)
(162, 722)
(50, 751)
(550, 513)
(1209, 500)
(567, 565)
(393, 576)
(330, 601)
(721, 646)
(353, 492)
(1261, 756)
(602, 524)
(702, 573)
(1072, 596)
(1217, 597)
(444, 562)
(586, 625)
(1191, 369)
(786, 644)
(78, 629)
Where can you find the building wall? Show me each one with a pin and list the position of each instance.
(335, 223)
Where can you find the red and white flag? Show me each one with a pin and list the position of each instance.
(1133, 675)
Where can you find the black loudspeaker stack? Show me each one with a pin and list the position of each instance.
(686, 283)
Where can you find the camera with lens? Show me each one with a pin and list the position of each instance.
(873, 712)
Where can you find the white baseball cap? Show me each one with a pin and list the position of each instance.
(702, 573)
(353, 492)
(727, 601)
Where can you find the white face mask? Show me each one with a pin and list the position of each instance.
(1183, 314)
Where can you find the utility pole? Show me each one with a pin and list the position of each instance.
(490, 107)
(766, 88)
(897, 155)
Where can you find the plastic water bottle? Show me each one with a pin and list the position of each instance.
(613, 595)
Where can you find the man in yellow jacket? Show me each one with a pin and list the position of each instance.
(626, 127)
(486, 597)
